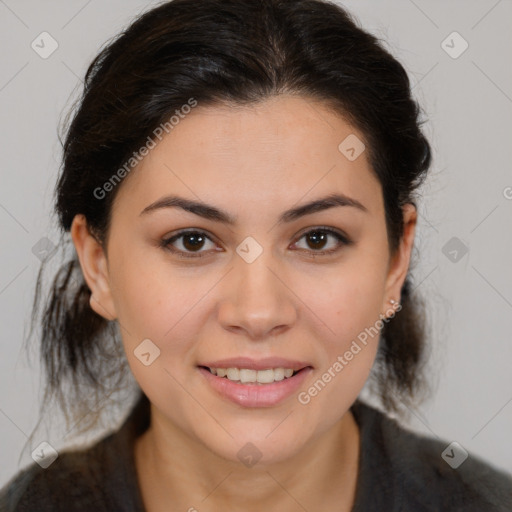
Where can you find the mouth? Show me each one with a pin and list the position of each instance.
(251, 387)
(248, 376)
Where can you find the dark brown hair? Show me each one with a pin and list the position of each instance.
(235, 52)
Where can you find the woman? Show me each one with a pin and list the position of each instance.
(238, 183)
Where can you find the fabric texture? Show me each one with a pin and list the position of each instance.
(398, 471)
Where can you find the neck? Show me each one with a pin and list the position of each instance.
(174, 468)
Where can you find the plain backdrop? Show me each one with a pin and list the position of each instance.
(463, 255)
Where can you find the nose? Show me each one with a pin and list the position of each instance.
(259, 301)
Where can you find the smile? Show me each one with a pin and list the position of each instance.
(254, 388)
(247, 376)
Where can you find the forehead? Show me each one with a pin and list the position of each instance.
(277, 151)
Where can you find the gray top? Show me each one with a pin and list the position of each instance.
(398, 471)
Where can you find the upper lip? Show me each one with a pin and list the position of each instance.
(257, 364)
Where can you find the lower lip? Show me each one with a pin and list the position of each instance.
(256, 395)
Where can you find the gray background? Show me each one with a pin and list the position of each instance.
(468, 101)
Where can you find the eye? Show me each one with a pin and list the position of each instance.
(317, 240)
(192, 241)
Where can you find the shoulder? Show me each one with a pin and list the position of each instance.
(101, 477)
(74, 481)
(424, 473)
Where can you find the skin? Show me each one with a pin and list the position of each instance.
(254, 163)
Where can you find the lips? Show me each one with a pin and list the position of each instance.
(255, 395)
(257, 364)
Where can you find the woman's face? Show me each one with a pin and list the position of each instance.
(257, 288)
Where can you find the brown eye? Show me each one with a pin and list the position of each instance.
(188, 244)
(317, 239)
(193, 241)
(190, 241)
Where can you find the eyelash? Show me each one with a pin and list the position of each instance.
(342, 239)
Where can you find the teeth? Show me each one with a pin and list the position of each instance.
(246, 376)
(233, 374)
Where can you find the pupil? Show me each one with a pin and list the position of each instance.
(317, 236)
(197, 241)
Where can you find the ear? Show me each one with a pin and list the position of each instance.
(94, 268)
(399, 264)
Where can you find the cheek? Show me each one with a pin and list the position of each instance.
(156, 301)
(352, 309)
(149, 299)
(153, 305)
(354, 299)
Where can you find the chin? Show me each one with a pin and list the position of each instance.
(258, 448)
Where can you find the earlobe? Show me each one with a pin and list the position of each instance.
(94, 268)
(399, 265)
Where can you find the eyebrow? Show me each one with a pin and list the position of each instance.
(212, 213)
